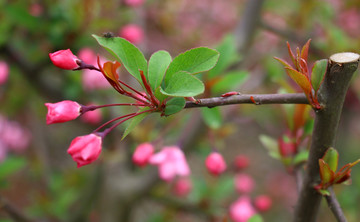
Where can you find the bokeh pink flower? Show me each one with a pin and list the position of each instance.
(244, 183)
(182, 187)
(92, 79)
(133, 33)
(142, 154)
(241, 210)
(171, 162)
(262, 203)
(134, 3)
(215, 163)
(4, 72)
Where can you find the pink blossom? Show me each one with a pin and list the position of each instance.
(142, 154)
(36, 9)
(182, 187)
(241, 210)
(215, 163)
(134, 3)
(4, 72)
(244, 183)
(171, 162)
(64, 59)
(85, 149)
(62, 111)
(263, 203)
(15, 136)
(92, 79)
(92, 117)
(133, 33)
(241, 162)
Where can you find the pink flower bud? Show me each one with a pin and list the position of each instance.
(4, 72)
(62, 111)
(171, 162)
(241, 162)
(133, 33)
(215, 163)
(142, 154)
(64, 59)
(244, 183)
(85, 149)
(262, 203)
(14, 136)
(134, 3)
(182, 187)
(241, 210)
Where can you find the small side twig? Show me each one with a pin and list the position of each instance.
(13, 211)
(257, 99)
(335, 206)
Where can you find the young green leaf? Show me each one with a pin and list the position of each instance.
(130, 56)
(331, 157)
(256, 218)
(228, 56)
(318, 73)
(212, 117)
(230, 81)
(326, 174)
(183, 84)
(301, 157)
(158, 63)
(193, 61)
(135, 121)
(174, 105)
(271, 145)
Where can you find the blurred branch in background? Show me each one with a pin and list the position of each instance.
(12, 211)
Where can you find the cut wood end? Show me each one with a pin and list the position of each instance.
(345, 57)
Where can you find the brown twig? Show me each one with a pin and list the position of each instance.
(332, 94)
(335, 206)
(13, 211)
(259, 99)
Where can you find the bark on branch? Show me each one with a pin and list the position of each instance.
(332, 93)
(257, 99)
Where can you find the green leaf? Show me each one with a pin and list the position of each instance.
(326, 173)
(193, 61)
(174, 105)
(135, 121)
(230, 81)
(11, 165)
(183, 84)
(331, 157)
(324, 192)
(256, 218)
(212, 117)
(228, 55)
(301, 157)
(271, 145)
(158, 63)
(318, 73)
(130, 56)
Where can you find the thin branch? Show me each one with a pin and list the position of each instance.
(257, 99)
(13, 211)
(332, 94)
(335, 206)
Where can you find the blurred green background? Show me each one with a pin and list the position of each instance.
(41, 179)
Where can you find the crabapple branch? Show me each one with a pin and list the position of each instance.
(332, 92)
(257, 99)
